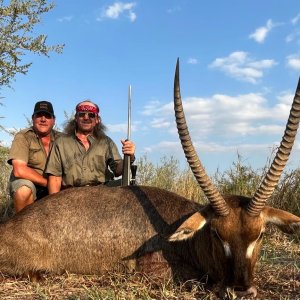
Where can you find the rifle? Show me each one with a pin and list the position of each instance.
(126, 160)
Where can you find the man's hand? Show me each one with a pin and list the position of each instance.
(54, 184)
(128, 148)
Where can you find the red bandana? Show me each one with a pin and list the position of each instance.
(89, 108)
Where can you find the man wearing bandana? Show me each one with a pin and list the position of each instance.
(85, 155)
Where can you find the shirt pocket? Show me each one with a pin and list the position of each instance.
(36, 157)
(69, 162)
(97, 163)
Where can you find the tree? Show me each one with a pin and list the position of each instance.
(17, 22)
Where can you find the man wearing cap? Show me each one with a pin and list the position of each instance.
(28, 155)
(85, 155)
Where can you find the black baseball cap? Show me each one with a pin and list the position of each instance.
(44, 106)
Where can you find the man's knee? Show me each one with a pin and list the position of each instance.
(23, 192)
(22, 188)
(22, 197)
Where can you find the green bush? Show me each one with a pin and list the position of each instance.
(240, 179)
(287, 193)
(169, 176)
(5, 202)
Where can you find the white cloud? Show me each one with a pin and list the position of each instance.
(6, 135)
(117, 9)
(155, 107)
(221, 125)
(260, 34)
(117, 128)
(226, 116)
(65, 19)
(292, 36)
(296, 146)
(240, 66)
(173, 9)
(165, 146)
(218, 147)
(295, 20)
(192, 61)
(120, 128)
(262, 64)
(293, 62)
(204, 147)
(5, 143)
(286, 98)
(132, 16)
(160, 123)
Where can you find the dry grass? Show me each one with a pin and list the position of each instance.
(277, 277)
(278, 272)
(112, 286)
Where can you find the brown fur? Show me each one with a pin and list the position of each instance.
(88, 230)
(91, 230)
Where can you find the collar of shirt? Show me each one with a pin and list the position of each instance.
(91, 139)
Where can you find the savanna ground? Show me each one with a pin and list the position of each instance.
(278, 270)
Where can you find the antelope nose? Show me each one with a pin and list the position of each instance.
(252, 291)
(249, 292)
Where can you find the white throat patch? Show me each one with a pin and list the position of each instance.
(227, 249)
(250, 249)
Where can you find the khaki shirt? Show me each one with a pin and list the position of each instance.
(77, 166)
(28, 147)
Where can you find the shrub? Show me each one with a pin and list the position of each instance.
(5, 202)
(287, 193)
(169, 176)
(240, 179)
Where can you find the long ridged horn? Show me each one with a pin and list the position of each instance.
(212, 194)
(271, 179)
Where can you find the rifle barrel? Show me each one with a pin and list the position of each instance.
(126, 160)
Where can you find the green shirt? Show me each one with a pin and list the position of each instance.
(77, 166)
(28, 147)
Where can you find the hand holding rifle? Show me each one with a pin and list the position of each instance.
(128, 149)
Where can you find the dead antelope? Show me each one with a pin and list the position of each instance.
(92, 230)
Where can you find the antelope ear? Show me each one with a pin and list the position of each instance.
(188, 228)
(284, 220)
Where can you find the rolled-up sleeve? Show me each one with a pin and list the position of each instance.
(19, 149)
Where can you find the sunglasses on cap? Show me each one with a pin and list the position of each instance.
(82, 114)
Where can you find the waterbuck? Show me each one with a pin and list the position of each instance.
(92, 230)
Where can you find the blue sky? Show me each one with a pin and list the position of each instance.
(239, 68)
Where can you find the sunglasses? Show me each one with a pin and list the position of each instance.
(43, 114)
(91, 115)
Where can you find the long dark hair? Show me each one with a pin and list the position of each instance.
(70, 128)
